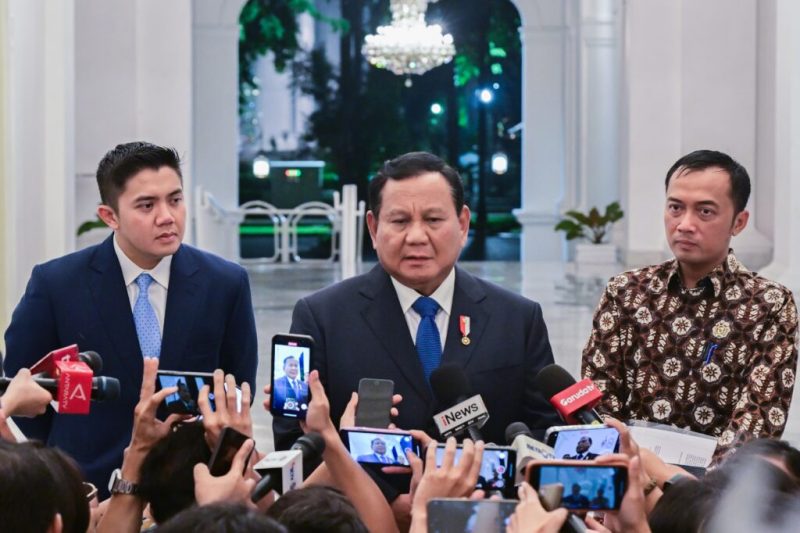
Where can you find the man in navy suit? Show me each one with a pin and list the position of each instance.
(290, 386)
(378, 454)
(376, 325)
(140, 293)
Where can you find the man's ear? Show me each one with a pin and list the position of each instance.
(57, 525)
(108, 215)
(463, 223)
(372, 225)
(740, 222)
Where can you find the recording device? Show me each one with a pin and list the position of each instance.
(573, 401)
(184, 400)
(374, 403)
(586, 485)
(283, 471)
(497, 468)
(456, 515)
(229, 443)
(385, 447)
(567, 441)
(528, 449)
(466, 413)
(291, 363)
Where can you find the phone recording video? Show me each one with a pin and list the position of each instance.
(227, 446)
(386, 448)
(291, 363)
(184, 400)
(457, 515)
(497, 468)
(582, 442)
(585, 486)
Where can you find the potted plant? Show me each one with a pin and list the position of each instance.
(593, 227)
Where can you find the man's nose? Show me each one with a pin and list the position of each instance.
(417, 232)
(687, 223)
(164, 214)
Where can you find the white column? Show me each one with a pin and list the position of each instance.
(5, 174)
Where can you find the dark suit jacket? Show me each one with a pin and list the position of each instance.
(81, 298)
(588, 456)
(360, 331)
(283, 390)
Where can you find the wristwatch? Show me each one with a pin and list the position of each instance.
(117, 485)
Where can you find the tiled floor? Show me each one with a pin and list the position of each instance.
(567, 307)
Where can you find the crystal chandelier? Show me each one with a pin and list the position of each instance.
(407, 46)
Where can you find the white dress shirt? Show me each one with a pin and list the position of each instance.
(156, 293)
(443, 296)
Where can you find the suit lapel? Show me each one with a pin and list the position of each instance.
(467, 298)
(385, 318)
(111, 301)
(183, 299)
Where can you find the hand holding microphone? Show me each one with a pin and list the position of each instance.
(24, 397)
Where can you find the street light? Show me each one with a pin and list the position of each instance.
(436, 108)
(261, 165)
(486, 96)
(499, 163)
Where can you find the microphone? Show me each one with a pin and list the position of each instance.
(466, 413)
(46, 366)
(102, 388)
(574, 401)
(528, 449)
(283, 471)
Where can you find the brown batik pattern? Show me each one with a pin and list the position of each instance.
(651, 339)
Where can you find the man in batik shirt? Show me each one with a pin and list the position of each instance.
(699, 342)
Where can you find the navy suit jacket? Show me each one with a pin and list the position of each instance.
(360, 331)
(283, 390)
(81, 299)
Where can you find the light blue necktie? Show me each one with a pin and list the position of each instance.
(145, 318)
(429, 345)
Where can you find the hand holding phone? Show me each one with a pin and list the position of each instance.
(497, 469)
(374, 403)
(184, 400)
(586, 485)
(379, 447)
(291, 364)
(228, 445)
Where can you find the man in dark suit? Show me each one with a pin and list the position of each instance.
(139, 293)
(582, 450)
(378, 454)
(289, 386)
(417, 310)
(575, 500)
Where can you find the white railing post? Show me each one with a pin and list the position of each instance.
(348, 243)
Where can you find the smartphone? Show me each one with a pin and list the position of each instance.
(456, 515)
(374, 403)
(497, 468)
(382, 447)
(184, 401)
(228, 444)
(586, 485)
(582, 442)
(291, 363)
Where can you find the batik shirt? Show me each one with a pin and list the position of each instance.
(719, 359)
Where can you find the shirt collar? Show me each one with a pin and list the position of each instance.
(131, 271)
(721, 276)
(443, 294)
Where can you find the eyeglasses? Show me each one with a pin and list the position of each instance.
(91, 490)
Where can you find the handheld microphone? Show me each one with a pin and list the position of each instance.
(283, 471)
(574, 401)
(102, 388)
(466, 413)
(528, 449)
(46, 366)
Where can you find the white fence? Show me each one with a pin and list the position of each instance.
(217, 228)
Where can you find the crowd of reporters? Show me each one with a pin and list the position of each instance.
(42, 490)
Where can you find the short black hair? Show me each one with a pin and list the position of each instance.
(703, 159)
(317, 509)
(411, 165)
(167, 473)
(221, 518)
(686, 506)
(286, 359)
(125, 161)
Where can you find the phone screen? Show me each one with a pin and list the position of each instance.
(585, 487)
(291, 363)
(380, 448)
(184, 400)
(459, 515)
(585, 443)
(229, 443)
(497, 468)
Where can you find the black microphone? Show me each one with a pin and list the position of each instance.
(574, 401)
(103, 387)
(516, 429)
(92, 359)
(283, 470)
(451, 388)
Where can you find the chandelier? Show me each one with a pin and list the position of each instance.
(408, 46)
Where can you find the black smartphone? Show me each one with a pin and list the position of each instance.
(456, 515)
(586, 485)
(184, 401)
(582, 442)
(374, 403)
(497, 468)
(228, 444)
(379, 447)
(291, 363)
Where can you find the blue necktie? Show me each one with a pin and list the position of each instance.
(429, 346)
(146, 321)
